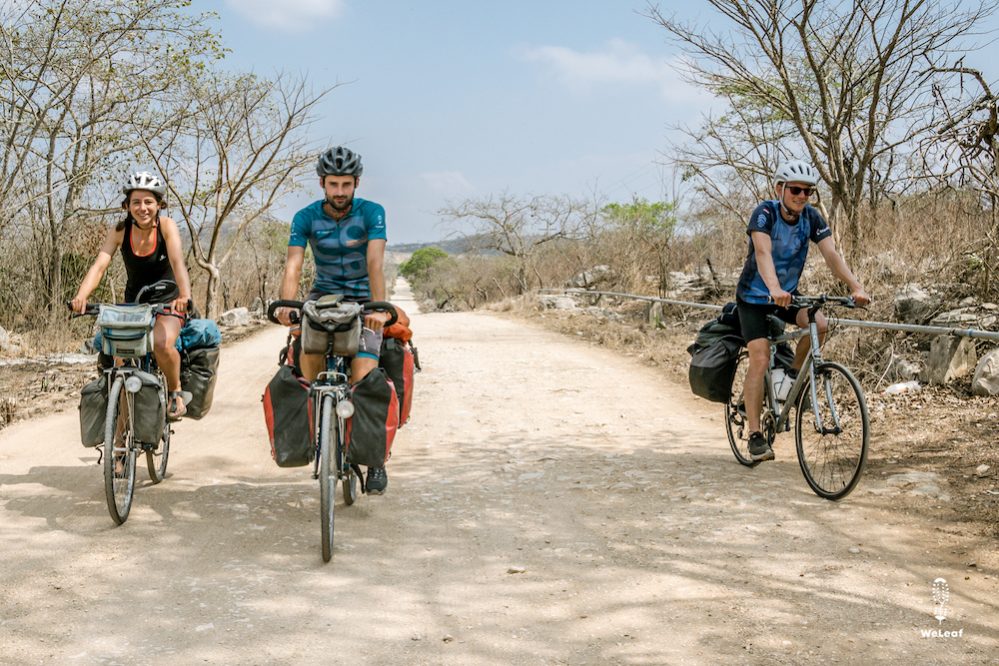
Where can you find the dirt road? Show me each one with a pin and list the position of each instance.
(550, 503)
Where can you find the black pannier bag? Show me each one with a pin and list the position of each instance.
(288, 414)
(93, 411)
(198, 373)
(372, 428)
(712, 369)
(398, 361)
(715, 353)
(149, 408)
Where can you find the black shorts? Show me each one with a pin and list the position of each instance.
(753, 318)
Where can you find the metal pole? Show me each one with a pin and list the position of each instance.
(888, 326)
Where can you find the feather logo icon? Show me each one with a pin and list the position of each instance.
(941, 595)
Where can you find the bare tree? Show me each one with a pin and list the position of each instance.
(235, 147)
(851, 79)
(518, 227)
(72, 74)
(964, 153)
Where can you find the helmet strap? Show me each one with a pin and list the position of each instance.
(785, 211)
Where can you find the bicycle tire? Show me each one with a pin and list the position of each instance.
(736, 424)
(349, 486)
(327, 477)
(832, 461)
(156, 459)
(119, 440)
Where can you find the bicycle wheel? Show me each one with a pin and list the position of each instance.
(349, 486)
(156, 459)
(832, 436)
(327, 476)
(119, 452)
(736, 423)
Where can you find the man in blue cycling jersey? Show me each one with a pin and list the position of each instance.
(779, 231)
(347, 237)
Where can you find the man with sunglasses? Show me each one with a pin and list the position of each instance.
(779, 231)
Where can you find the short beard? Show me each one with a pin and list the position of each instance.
(341, 209)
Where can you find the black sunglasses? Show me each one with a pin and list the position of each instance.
(795, 190)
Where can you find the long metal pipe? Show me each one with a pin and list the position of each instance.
(889, 326)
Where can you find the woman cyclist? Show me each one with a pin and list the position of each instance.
(151, 250)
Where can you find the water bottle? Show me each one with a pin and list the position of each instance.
(782, 383)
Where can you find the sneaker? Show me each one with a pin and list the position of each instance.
(377, 480)
(759, 450)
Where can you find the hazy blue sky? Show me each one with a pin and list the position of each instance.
(448, 99)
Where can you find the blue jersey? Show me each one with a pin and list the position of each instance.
(789, 249)
(340, 247)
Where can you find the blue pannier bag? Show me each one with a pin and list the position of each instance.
(198, 334)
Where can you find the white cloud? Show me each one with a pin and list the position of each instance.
(287, 14)
(449, 183)
(619, 62)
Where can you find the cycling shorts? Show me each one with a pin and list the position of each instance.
(753, 318)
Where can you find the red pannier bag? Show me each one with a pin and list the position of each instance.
(400, 329)
(372, 428)
(288, 414)
(397, 359)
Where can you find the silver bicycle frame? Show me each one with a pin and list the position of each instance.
(807, 372)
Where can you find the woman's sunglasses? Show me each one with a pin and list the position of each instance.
(795, 190)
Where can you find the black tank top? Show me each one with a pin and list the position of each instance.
(144, 270)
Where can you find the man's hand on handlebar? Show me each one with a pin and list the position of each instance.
(780, 298)
(284, 315)
(860, 297)
(376, 320)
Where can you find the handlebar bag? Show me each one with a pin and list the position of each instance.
(126, 330)
(336, 326)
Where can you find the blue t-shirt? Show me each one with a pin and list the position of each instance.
(340, 247)
(789, 249)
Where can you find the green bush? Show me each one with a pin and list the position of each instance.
(418, 265)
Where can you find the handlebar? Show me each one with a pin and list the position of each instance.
(370, 306)
(809, 302)
(285, 303)
(93, 309)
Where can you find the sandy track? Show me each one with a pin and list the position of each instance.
(640, 539)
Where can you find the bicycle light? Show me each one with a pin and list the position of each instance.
(133, 384)
(345, 409)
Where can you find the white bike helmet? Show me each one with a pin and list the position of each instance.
(143, 180)
(796, 171)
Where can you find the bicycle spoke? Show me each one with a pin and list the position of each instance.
(832, 435)
(119, 458)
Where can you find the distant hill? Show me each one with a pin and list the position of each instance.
(455, 246)
(452, 246)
